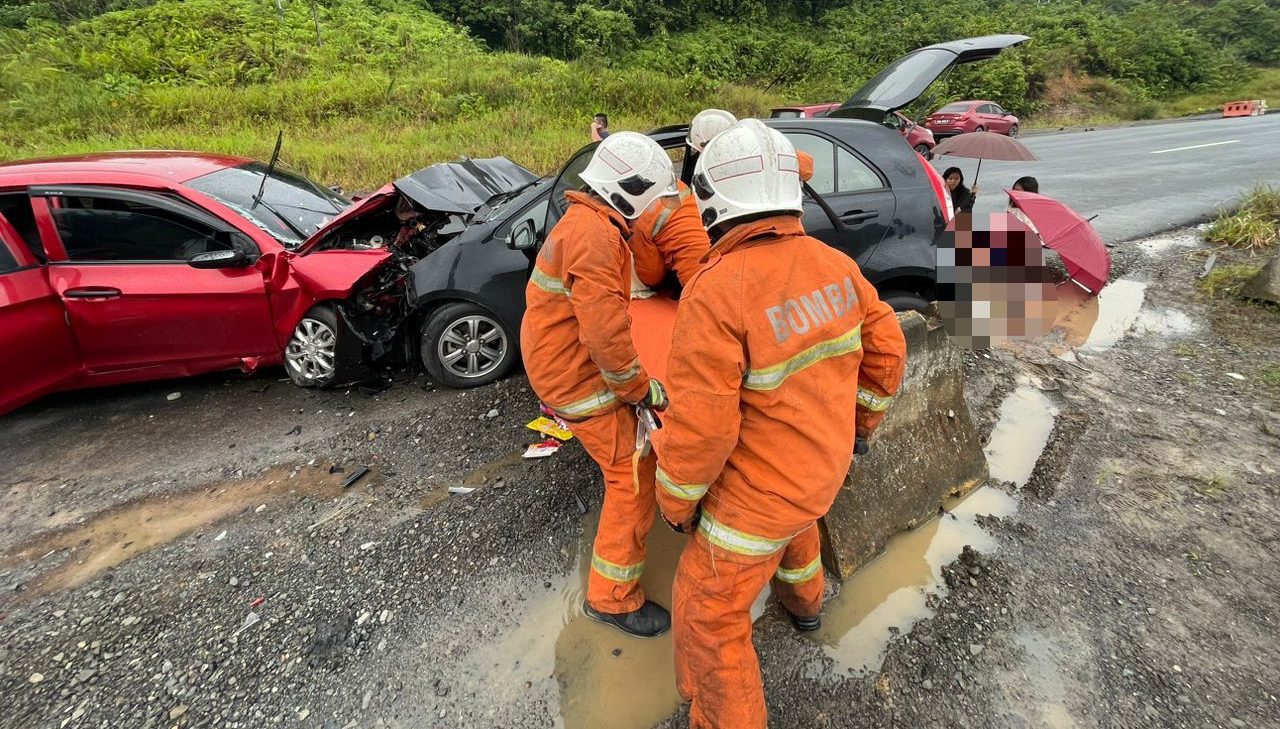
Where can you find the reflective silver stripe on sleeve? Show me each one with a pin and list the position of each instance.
(685, 491)
(737, 541)
(622, 377)
(770, 378)
(548, 283)
(614, 571)
(802, 574)
(591, 405)
(872, 401)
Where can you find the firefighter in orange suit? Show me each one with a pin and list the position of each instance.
(783, 355)
(669, 235)
(576, 342)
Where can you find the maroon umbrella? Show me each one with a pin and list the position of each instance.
(984, 145)
(1065, 231)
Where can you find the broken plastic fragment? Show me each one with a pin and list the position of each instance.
(460, 489)
(221, 536)
(250, 620)
(546, 448)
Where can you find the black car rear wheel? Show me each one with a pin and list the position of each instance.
(904, 301)
(464, 345)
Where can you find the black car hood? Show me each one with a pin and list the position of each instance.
(464, 187)
(904, 80)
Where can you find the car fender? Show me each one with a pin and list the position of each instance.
(315, 278)
(478, 268)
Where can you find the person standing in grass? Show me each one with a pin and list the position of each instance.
(599, 128)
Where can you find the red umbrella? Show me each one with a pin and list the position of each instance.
(984, 145)
(1067, 232)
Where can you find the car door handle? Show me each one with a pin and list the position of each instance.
(92, 292)
(858, 216)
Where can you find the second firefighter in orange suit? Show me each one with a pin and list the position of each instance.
(669, 234)
(783, 355)
(577, 348)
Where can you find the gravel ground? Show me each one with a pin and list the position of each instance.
(1133, 587)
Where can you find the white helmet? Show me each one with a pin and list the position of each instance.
(706, 125)
(630, 171)
(747, 170)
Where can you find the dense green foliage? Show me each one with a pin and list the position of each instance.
(384, 89)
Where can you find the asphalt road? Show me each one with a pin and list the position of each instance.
(1140, 180)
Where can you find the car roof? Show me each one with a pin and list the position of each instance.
(173, 166)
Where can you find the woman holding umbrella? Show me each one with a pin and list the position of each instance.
(962, 197)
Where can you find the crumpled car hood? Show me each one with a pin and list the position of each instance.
(459, 188)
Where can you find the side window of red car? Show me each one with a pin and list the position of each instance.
(107, 229)
(16, 208)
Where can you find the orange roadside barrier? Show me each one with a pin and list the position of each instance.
(1252, 107)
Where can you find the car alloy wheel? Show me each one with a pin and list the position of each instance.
(312, 351)
(472, 346)
(1013, 131)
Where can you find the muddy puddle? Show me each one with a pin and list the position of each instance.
(109, 539)
(891, 593)
(1096, 323)
(604, 679)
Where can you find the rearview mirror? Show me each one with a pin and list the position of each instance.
(523, 236)
(219, 259)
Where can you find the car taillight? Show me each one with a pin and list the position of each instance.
(939, 189)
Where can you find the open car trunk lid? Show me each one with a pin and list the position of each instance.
(904, 80)
(458, 188)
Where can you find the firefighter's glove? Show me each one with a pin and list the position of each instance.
(656, 398)
(688, 527)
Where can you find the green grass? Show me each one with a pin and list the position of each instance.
(1254, 225)
(1265, 84)
(390, 90)
(1225, 282)
(1270, 376)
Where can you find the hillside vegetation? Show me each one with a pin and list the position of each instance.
(368, 89)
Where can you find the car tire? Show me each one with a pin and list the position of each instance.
(904, 301)
(464, 345)
(979, 129)
(317, 353)
(1013, 131)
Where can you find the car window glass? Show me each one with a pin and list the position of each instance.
(987, 109)
(823, 152)
(16, 208)
(7, 261)
(853, 175)
(105, 229)
(570, 180)
(995, 109)
(291, 207)
(958, 108)
(537, 213)
(785, 114)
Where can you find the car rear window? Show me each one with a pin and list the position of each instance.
(958, 108)
(785, 114)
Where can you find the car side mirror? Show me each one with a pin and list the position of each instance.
(524, 236)
(219, 259)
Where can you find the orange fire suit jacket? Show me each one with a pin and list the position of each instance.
(669, 235)
(782, 351)
(576, 334)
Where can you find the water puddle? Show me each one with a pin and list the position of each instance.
(1165, 322)
(1020, 434)
(112, 537)
(1118, 307)
(1158, 246)
(891, 593)
(490, 471)
(605, 679)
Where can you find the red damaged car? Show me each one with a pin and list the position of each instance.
(133, 266)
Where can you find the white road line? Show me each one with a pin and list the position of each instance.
(1197, 146)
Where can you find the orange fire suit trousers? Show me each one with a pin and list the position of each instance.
(716, 665)
(617, 559)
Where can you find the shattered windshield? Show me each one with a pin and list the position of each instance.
(292, 206)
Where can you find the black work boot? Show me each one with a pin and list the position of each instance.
(650, 621)
(803, 624)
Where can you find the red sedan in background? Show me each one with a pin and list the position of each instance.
(962, 117)
(118, 268)
(920, 139)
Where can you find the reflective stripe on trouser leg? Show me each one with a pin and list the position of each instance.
(717, 669)
(618, 553)
(798, 580)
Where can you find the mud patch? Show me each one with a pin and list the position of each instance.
(890, 594)
(109, 539)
